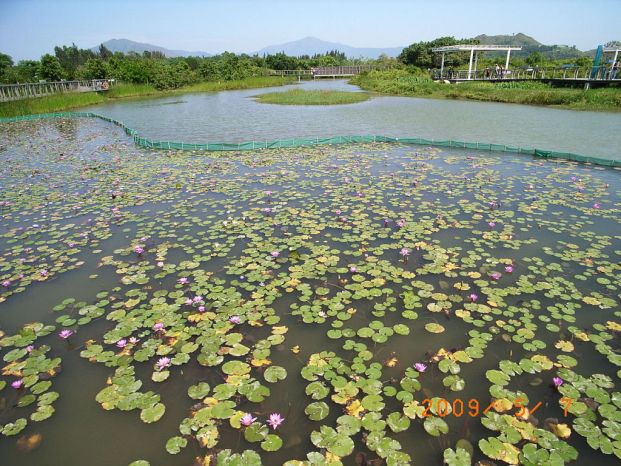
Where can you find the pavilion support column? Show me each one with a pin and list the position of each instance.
(470, 64)
(476, 59)
(507, 62)
(442, 67)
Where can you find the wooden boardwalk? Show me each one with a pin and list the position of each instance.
(29, 90)
(600, 75)
(324, 71)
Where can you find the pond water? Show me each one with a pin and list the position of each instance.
(234, 116)
(305, 283)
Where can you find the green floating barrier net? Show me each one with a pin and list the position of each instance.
(301, 142)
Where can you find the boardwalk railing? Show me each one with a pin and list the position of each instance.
(28, 90)
(325, 71)
(290, 73)
(600, 73)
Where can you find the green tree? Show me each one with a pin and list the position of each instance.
(50, 68)
(70, 58)
(104, 52)
(420, 54)
(95, 68)
(26, 71)
(584, 61)
(5, 62)
(280, 61)
(535, 59)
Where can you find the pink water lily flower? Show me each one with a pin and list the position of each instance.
(420, 367)
(557, 381)
(183, 281)
(597, 205)
(275, 420)
(274, 254)
(158, 327)
(122, 343)
(509, 268)
(64, 334)
(473, 297)
(6, 283)
(404, 252)
(353, 269)
(17, 384)
(495, 275)
(247, 419)
(400, 223)
(235, 320)
(491, 224)
(162, 363)
(138, 250)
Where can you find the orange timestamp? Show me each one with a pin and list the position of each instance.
(443, 407)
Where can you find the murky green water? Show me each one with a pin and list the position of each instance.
(379, 249)
(234, 116)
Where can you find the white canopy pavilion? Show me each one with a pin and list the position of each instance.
(474, 49)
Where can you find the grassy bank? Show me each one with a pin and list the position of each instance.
(530, 93)
(69, 101)
(301, 97)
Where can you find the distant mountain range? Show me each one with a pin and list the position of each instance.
(312, 46)
(126, 45)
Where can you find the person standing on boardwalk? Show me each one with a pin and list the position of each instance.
(615, 69)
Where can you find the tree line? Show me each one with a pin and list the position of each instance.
(72, 62)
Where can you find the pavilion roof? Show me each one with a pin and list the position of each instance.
(476, 48)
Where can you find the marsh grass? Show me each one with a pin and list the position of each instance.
(529, 93)
(302, 97)
(50, 103)
(72, 100)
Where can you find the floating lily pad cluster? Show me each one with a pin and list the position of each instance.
(314, 306)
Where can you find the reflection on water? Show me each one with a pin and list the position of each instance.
(233, 116)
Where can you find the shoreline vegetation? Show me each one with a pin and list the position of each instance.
(407, 84)
(314, 97)
(390, 82)
(72, 100)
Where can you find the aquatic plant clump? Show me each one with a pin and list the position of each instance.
(312, 97)
(331, 305)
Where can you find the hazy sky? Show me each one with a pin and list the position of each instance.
(30, 28)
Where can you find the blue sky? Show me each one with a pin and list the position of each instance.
(29, 28)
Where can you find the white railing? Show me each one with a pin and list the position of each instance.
(28, 90)
(600, 73)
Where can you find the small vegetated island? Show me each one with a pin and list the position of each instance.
(314, 97)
